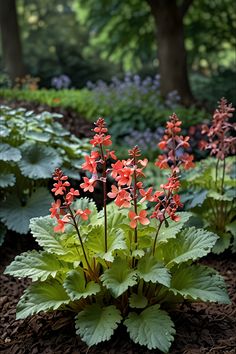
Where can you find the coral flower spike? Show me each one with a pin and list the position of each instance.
(141, 217)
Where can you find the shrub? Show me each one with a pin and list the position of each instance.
(213, 181)
(32, 145)
(118, 267)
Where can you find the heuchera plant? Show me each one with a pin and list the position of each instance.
(213, 181)
(126, 263)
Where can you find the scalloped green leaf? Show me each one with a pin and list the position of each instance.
(119, 277)
(17, 216)
(172, 230)
(227, 197)
(199, 283)
(96, 324)
(37, 266)
(9, 153)
(7, 179)
(52, 242)
(149, 269)
(152, 328)
(41, 296)
(190, 244)
(222, 243)
(76, 286)
(138, 301)
(38, 161)
(96, 242)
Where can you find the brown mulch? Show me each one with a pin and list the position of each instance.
(201, 328)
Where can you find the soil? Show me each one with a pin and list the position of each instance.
(200, 328)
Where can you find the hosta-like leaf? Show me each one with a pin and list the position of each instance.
(190, 244)
(17, 216)
(76, 286)
(41, 296)
(149, 269)
(199, 283)
(152, 328)
(9, 153)
(37, 266)
(223, 197)
(96, 243)
(7, 179)
(171, 231)
(38, 161)
(119, 277)
(38, 136)
(138, 301)
(96, 324)
(42, 230)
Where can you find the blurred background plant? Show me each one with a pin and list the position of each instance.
(32, 146)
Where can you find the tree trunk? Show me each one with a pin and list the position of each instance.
(10, 35)
(171, 49)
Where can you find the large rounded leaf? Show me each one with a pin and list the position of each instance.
(17, 216)
(38, 161)
(9, 153)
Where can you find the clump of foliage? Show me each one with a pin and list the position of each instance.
(213, 181)
(127, 262)
(31, 147)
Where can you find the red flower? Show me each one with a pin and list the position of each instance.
(90, 163)
(123, 199)
(162, 162)
(135, 218)
(83, 213)
(60, 226)
(88, 184)
(70, 196)
(147, 195)
(187, 161)
(60, 187)
(101, 139)
(125, 176)
(116, 168)
(55, 209)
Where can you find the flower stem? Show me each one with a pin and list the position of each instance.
(104, 182)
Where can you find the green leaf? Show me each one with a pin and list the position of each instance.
(149, 269)
(171, 231)
(119, 277)
(38, 136)
(152, 328)
(7, 179)
(223, 197)
(231, 228)
(96, 324)
(42, 230)
(190, 244)
(9, 153)
(16, 216)
(199, 283)
(222, 243)
(76, 286)
(37, 266)
(3, 231)
(41, 296)
(96, 242)
(138, 301)
(38, 161)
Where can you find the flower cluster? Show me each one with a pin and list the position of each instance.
(174, 144)
(63, 211)
(221, 143)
